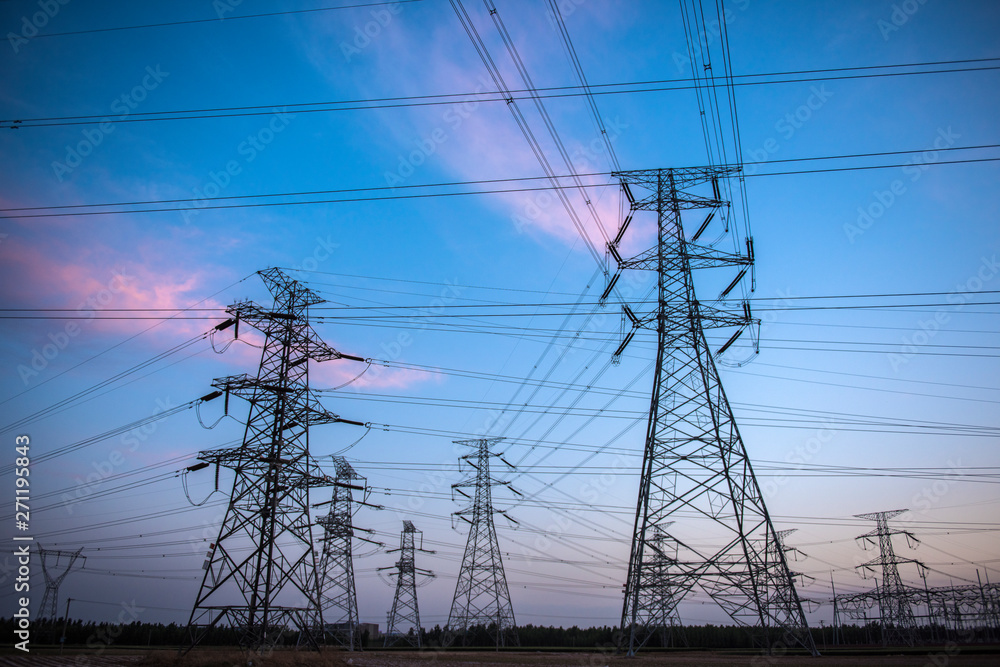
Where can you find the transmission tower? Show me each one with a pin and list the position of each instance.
(261, 574)
(782, 595)
(55, 566)
(896, 615)
(338, 596)
(405, 612)
(694, 462)
(481, 594)
(663, 560)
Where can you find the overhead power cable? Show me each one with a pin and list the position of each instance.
(623, 88)
(200, 205)
(220, 19)
(76, 398)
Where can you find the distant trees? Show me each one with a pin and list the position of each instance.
(96, 636)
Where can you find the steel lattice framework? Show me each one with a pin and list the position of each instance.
(338, 595)
(261, 573)
(662, 561)
(54, 577)
(954, 610)
(405, 613)
(695, 465)
(896, 615)
(481, 594)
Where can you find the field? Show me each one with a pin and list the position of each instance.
(970, 657)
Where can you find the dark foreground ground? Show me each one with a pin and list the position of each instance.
(977, 656)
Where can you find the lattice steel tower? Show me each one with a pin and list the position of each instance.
(405, 613)
(896, 616)
(695, 467)
(481, 594)
(261, 573)
(338, 596)
(55, 566)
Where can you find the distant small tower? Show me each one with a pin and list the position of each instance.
(405, 612)
(338, 596)
(481, 594)
(898, 624)
(55, 566)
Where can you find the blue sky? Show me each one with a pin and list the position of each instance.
(911, 387)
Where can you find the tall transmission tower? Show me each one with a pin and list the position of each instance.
(695, 465)
(55, 566)
(481, 594)
(261, 574)
(338, 595)
(896, 615)
(405, 613)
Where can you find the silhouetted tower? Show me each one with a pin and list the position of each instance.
(695, 465)
(896, 616)
(782, 594)
(55, 566)
(405, 613)
(481, 594)
(663, 560)
(338, 596)
(261, 573)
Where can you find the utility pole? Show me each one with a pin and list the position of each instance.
(481, 594)
(405, 611)
(836, 614)
(274, 589)
(896, 615)
(695, 464)
(338, 595)
(62, 640)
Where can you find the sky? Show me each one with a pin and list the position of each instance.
(156, 157)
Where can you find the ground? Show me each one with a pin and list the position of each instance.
(972, 657)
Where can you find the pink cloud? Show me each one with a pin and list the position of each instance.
(90, 276)
(337, 373)
(472, 140)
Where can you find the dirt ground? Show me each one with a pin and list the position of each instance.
(227, 658)
(698, 659)
(951, 658)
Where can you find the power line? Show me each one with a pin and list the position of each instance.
(404, 197)
(220, 19)
(663, 85)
